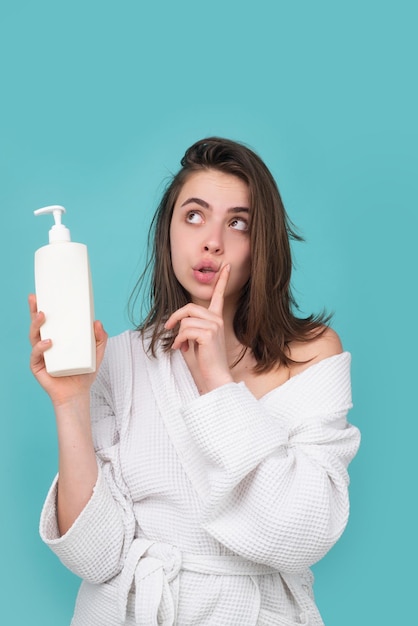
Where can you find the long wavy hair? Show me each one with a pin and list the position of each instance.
(265, 320)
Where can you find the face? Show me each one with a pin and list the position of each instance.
(210, 228)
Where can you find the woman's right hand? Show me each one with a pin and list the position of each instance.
(64, 389)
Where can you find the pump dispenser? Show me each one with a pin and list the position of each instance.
(64, 294)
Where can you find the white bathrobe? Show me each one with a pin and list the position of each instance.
(208, 510)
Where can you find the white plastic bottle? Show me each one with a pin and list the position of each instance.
(64, 294)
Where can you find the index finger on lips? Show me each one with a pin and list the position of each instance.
(217, 300)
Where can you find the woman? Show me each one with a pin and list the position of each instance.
(205, 470)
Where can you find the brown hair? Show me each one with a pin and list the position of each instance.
(265, 321)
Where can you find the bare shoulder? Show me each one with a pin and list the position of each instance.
(327, 344)
(321, 347)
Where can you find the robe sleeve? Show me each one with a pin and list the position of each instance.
(96, 545)
(277, 468)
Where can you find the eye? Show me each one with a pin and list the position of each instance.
(239, 223)
(193, 217)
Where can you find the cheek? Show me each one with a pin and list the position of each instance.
(241, 264)
(245, 255)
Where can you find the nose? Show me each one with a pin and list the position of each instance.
(213, 243)
(212, 248)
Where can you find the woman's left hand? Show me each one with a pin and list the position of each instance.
(203, 330)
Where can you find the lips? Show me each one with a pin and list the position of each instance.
(206, 266)
(205, 272)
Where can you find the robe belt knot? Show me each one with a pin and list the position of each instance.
(152, 569)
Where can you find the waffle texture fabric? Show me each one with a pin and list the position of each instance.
(208, 510)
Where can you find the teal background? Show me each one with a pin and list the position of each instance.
(98, 102)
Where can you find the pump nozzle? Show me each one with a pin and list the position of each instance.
(58, 232)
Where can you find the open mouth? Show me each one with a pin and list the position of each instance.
(206, 267)
(205, 274)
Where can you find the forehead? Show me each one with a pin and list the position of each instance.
(216, 188)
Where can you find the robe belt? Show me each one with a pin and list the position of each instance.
(153, 568)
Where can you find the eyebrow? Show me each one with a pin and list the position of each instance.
(205, 205)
